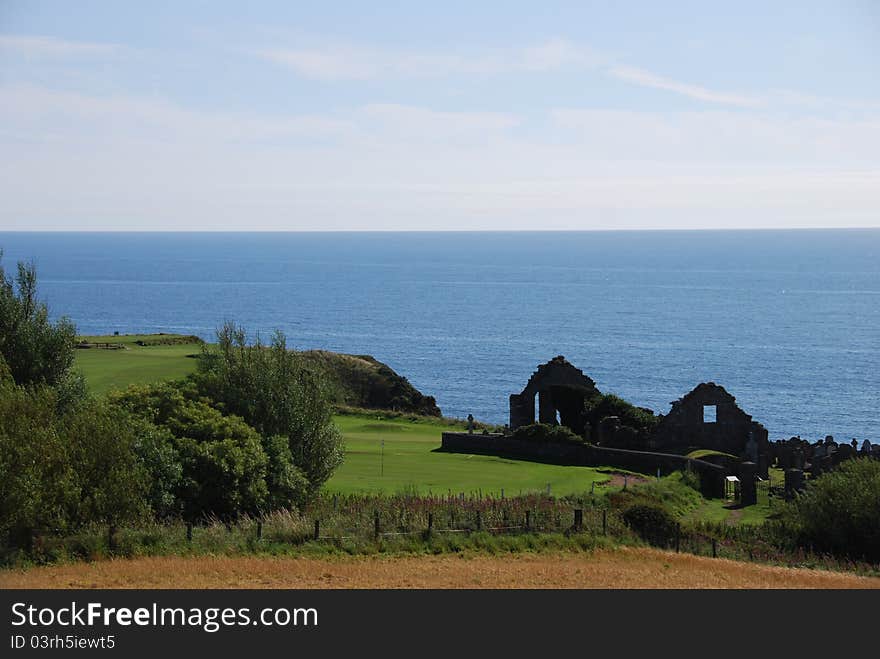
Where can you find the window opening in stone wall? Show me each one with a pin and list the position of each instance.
(710, 413)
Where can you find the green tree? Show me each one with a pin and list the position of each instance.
(155, 447)
(111, 482)
(286, 483)
(36, 350)
(37, 483)
(62, 470)
(269, 387)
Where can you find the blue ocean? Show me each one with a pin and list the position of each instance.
(787, 321)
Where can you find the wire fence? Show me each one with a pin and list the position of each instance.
(353, 520)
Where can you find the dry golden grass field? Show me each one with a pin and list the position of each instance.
(619, 568)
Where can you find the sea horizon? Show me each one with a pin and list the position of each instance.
(786, 319)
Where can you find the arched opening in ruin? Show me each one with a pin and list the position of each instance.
(555, 394)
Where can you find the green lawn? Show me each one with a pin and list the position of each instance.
(105, 370)
(721, 510)
(410, 461)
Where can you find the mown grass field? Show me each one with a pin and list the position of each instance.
(106, 370)
(625, 567)
(410, 461)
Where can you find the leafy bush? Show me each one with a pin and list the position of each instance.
(62, 470)
(604, 405)
(154, 446)
(110, 482)
(545, 432)
(839, 512)
(36, 479)
(223, 464)
(653, 523)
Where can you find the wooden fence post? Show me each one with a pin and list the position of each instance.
(376, 525)
(111, 537)
(677, 539)
(259, 529)
(430, 523)
(528, 520)
(714, 548)
(604, 522)
(479, 521)
(189, 531)
(317, 529)
(578, 519)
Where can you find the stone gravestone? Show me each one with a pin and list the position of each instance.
(816, 462)
(844, 452)
(794, 482)
(751, 449)
(748, 483)
(784, 457)
(763, 466)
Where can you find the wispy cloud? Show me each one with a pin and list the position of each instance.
(334, 62)
(648, 79)
(95, 159)
(39, 112)
(41, 46)
(339, 62)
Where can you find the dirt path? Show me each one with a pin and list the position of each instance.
(619, 480)
(620, 568)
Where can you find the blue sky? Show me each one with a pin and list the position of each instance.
(453, 115)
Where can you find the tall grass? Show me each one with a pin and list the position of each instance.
(434, 524)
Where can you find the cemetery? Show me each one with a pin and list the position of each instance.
(735, 449)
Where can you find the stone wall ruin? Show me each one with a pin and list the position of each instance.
(561, 390)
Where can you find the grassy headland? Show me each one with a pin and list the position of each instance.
(386, 452)
(107, 369)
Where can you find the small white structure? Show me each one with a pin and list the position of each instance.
(731, 487)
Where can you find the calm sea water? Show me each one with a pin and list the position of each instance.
(787, 321)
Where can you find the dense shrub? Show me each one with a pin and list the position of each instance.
(35, 476)
(110, 481)
(61, 470)
(604, 405)
(5, 373)
(223, 464)
(545, 432)
(155, 448)
(286, 483)
(653, 523)
(839, 512)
